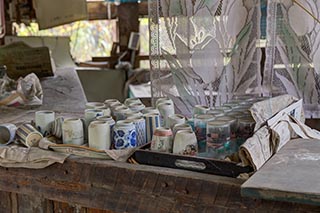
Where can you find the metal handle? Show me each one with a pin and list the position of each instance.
(186, 164)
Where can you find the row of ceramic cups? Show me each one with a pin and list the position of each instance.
(135, 126)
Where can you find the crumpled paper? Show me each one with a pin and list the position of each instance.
(24, 91)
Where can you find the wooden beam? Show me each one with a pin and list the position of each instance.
(99, 10)
(123, 187)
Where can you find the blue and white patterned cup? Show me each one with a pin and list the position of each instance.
(140, 125)
(152, 123)
(124, 135)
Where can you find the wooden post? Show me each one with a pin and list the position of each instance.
(128, 15)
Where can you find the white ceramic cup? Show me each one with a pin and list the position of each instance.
(72, 131)
(176, 119)
(162, 140)
(185, 143)
(94, 105)
(7, 133)
(163, 100)
(44, 121)
(99, 135)
(129, 101)
(109, 102)
(166, 110)
(179, 127)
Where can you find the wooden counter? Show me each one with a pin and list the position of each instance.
(91, 185)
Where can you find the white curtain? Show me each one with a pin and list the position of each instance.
(204, 51)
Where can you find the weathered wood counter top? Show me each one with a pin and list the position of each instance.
(91, 185)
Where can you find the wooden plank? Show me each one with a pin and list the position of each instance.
(71, 183)
(290, 175)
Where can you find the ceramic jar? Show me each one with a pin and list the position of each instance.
(215, 112)
(91, 114)
(7, 133)
(99, 135)
(150, 110)
(185, 143)
(152, 123)
(136, 107)
(124, 135)
(120, 112)
(179, 127)
(94, 105)
(162, 140)
(218, 138)
(106, 118)
(235, 114)
(129, 101)
(105, 110)
(110, 102)
(176, 119)
(200, 124)
(28, 135)
(140, 125)
(163, 100)
(223, 108)
(111, 122)
(72, 131)
(133, 114)
(44, 120)
(166, 110)
(200, 110)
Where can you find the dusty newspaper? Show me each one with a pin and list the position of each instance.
(278, 120)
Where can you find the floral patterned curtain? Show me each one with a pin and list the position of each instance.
(292, 54)
(204, 51)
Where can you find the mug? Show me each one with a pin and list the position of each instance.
(120, 112)
(185, 143)
(224, 108)
(7, 133)
(179, 127)
(140, 125)
(176, 119)
(28, 135)
(99, 135)
(94, 105)
(124, 135)
(162, 140)
(133, 114)
(150, 110)
(163, 100)
(44, 121)
(166, 110)
(111, 122)
(152, 122)
(109, 102)
(90, 115)
(136, 107)
(200, 110)
(129, 101)
(72, 131)
(215, 112)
